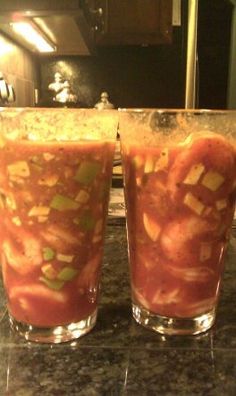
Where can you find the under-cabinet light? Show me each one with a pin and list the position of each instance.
(30, 34)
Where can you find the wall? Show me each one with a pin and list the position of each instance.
(20, 69)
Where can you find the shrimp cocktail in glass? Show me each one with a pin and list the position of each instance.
(55, 174)
(180, 183)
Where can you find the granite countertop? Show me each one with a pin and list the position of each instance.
(119, 357)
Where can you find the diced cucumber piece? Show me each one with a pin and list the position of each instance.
(163, 160)
(82, 197)
(194, 203)
(16, 220)
(48, 271)
(36, 167)
(86, 221)
(149, 165)
(19, 168)
(67, 274)
(10, 202)
(194, 174)
(138, 161)
(205, 251)
(48, 253)
(98, 226)
(54, 284)
(48, 156)
(87, 172)
(67, 258)
(39, 211)
(62, 202)
(213, 180)
(221, 204)
(49, 180)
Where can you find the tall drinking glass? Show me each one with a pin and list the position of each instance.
(180, 183)
(55, 174)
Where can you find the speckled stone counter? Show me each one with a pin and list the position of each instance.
(119, 357)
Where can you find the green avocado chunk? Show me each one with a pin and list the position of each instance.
(86, 221)
(54, 284)
(87, 171)
(67, 274)
(48, 253)
(62, 202)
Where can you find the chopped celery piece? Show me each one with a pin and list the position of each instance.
(55, 284)
(48, 253)
(62, 202)
(67, 274)
(86, 221)
(87, 172)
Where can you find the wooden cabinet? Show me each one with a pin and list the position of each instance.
(131, 22)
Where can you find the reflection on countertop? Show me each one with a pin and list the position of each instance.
(120, 357)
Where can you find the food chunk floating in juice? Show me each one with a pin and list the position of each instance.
(180, 185)
(56, 168)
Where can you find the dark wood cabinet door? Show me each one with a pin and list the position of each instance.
(134, 22)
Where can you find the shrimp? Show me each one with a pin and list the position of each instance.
(88, 277)
(177, 235)
(199, 274)
(211, 152)
(200, 307)
(23, 256)
(60, 238)
(37, 304)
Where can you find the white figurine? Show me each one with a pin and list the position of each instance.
(104, 103)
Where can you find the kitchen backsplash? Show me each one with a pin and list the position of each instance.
(133, 77)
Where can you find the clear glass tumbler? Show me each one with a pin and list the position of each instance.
(180, 184)
(55, 175)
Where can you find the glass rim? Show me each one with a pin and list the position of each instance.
(175, 110)
(50, 124)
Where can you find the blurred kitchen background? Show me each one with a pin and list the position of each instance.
(136, 51)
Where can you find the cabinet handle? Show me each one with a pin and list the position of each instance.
(94, 16)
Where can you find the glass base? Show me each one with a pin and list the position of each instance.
(55, 334)
(174, 326)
